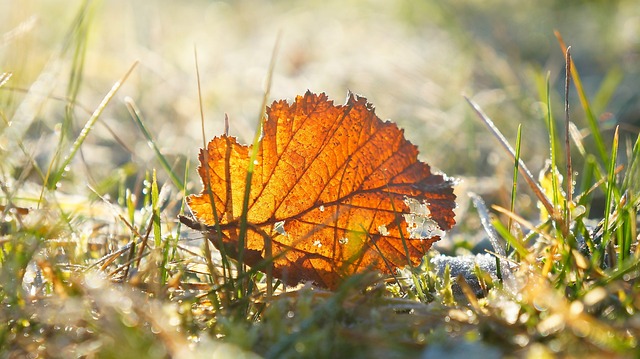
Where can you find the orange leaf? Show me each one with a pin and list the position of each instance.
(335, 188)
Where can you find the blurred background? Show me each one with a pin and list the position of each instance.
(414, 60)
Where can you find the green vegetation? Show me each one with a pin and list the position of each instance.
(101, 124)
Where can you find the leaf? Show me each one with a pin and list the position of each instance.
(334, 187)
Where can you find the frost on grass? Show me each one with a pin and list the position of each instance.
(465, 266)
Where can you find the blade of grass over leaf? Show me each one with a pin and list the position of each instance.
(226, 265)
(521, 166)
(252, 160)
(59, 172)
(591, 118)
(136, 115)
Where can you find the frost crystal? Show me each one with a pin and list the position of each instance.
(419, 221)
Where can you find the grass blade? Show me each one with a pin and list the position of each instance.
(569, 175)
(607, 89)
(632, 176)
(485, 221)
(157, 229)
(522, 251)
(80, 35)
(137, 118)
(57, 176)
(551, 126)
(254, 154)
(610, 186)
(516, 161)
(521, 166)
(216, 235)
(591, 118)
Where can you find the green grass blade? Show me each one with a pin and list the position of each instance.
(610, 186)
(631, 180)
(136, 115)
(551, 128)
(155, 208)
(512, 205)
(555, 192)
(511, 240)
(607, 89)
(524, 170)
(216, 236)
(254, 154)
(80, 35)
(77, 39)
(57, 176)
(157, 228)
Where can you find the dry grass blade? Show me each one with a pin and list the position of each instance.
(599, 183)
(569, 198)
(521, 165)
(522, 221)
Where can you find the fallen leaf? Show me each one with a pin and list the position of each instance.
(334, 188)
